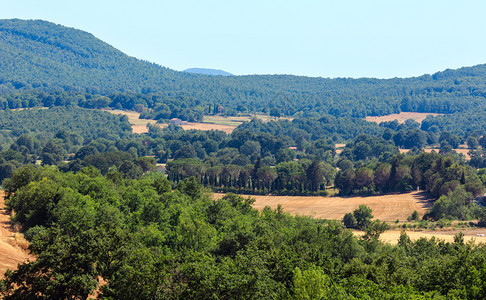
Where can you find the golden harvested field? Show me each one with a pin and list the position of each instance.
(401, 117)
(231, 121)
(385, 207)
(239, 120)
(205, 126)
(460, 150)
(226, 124)
(428, 150)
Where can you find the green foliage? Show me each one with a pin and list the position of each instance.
(349, 220)
(363, 215)
(145, 240)
(454, 205)
(311, 284)
(413, 217)
(374, 229)
(90, 124)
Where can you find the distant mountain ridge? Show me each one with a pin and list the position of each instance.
(205, 71)
(40, 55)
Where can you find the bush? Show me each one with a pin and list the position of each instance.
(414, 216)
(363, 215)
(374, 229)
(33, 232)
(481, 214)
(443, 223)
(349, 221)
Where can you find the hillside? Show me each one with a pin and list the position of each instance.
(208, 72)
(40, 55)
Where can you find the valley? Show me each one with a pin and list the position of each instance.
(130, 180)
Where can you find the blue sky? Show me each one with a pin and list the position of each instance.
(382, 39)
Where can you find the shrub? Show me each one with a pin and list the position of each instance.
(349, 221)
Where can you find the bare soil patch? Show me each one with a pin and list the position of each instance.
(401, 117)
(385, 207)
(339, 148)
(11, 243)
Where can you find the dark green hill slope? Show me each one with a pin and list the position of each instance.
(42, 55)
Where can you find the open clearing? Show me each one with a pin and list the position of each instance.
(10, 252)
(429, 150)
(401, 117)
(205, 126)
(226, 124)
(385, 207)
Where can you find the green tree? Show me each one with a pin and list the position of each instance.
(349, 220)
(374, 229)
(363, 215)
(311, 284)
(275, 112)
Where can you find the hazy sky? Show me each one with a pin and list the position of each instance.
(314, 38)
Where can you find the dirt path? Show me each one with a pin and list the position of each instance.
(10, 253)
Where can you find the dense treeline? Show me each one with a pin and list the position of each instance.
(309, 125)
(88, 124)
(141, 239)
(52, 136)
(258, 158)
(311, 128)
(152, 106)
(29, 131)
(304, 177)
(455, 185)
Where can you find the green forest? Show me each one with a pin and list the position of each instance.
(120, 215)
(147, 240)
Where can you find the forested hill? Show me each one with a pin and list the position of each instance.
(41, 55)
